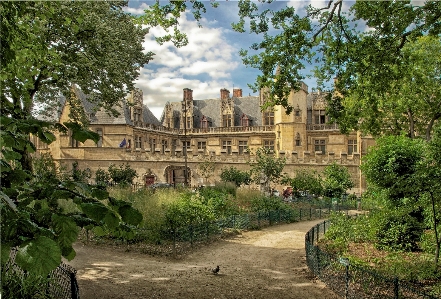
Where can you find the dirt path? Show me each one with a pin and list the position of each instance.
(268, 263)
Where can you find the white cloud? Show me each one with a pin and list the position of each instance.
(204, 65)
(136, 10)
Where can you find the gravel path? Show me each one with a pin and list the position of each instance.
(268, 263)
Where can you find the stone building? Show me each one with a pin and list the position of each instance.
(225, 130)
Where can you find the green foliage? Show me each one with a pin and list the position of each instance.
(428, 242)
(392, 163)
(187, 210)
(44, 168)
(305, 181)
(80, 175)
(166, 16)
(27, 286)
(122, 175)
(206, 168)
(235, 176)
(397, 230)
(337, 180)
(345, 230)
(220, 199)
(406, 35)
(102, 177)
(267, 204)
(266, 168)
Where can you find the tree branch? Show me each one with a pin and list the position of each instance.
(338, 3)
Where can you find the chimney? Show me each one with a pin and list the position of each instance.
(188, 94)
(225, 93)
(237, 92)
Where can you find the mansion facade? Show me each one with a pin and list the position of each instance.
(225, 131)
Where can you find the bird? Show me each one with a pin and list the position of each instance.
(215, 270)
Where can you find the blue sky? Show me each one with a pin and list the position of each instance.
(208, 63)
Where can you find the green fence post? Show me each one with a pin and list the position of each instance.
(396, 288)
(310, 213)
(174, 243)
(300, 214)
(207, 230)
(258, 219)
(318, 231)
(347, 282)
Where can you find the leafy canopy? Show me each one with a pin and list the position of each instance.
(48, 50)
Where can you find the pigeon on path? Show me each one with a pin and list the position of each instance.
(215, 270)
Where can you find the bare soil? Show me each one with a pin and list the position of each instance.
(268, 263)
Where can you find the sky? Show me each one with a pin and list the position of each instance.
(209, 62)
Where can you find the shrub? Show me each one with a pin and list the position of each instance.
(186, 210)
(123, 174)
(19, 285)
(220, 202)
(397, 230)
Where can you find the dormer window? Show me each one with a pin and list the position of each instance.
(204, 122)
(245, 120)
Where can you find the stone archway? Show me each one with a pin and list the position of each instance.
(176, 174)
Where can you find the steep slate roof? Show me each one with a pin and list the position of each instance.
(100, 116)
(211, 109)
(148, 117)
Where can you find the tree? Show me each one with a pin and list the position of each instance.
(409, 102)
(305, 180)
(392, 164)
(408, 170)
(48, 48)
(375, 46)
(206, 168)
(430, 178)
(124, 175)
(52, 46)
(337, 180)
(235, 176)
(370, 65)
(266, 168)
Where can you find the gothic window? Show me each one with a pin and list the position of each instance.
(269, 144)
(352, 146)
(152, 143)
(100, 134)
(138, 142)
(320, 145)
(268, 118)
(227, 120)
(243, 146)
(226, 145)
(185, 146)
(298, 140)
(297, 112)
(163, 146)
(319, 116)
(245, 121)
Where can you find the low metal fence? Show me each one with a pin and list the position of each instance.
(353, 281)
(62, 281)
(183, 236)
